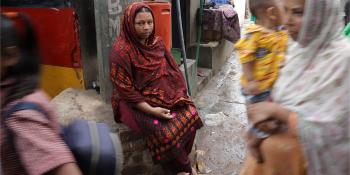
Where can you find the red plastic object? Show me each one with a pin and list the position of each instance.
(162, 15)
(57, 32)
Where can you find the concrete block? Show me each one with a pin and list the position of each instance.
(206, 75)
(213, 55)
(192, 73)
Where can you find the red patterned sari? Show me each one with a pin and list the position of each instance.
(148, 73)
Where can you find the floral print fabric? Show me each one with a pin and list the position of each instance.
(315, 83)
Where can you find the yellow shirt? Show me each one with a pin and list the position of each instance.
(266, 49)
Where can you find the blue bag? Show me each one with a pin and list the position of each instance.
(97, 151)
(94, 147)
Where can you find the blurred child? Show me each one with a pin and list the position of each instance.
(30, 140)
(261, 51)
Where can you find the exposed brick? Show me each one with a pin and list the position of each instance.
(137, 158)
(135, 170)
(127, 135)
(138, 145)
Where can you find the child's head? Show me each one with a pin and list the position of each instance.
(269, 13)
(19, 54)
(19, 57)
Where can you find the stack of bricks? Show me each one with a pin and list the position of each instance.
(137, 159)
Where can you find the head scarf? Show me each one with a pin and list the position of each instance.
(154, 46)
(128, 32)
(315, 84)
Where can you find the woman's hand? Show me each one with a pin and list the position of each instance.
(155, 111)
(264, 113)
(253, 143)
(252, 88)
(161, 113)
(260, 112)
(270, 126)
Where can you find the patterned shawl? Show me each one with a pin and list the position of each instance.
(315, 83)
(144, 72)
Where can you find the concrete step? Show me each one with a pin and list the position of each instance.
(211, 44)
(192, 73)
(204, 75)
(198, 76)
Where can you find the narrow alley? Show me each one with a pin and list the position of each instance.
(219, 145)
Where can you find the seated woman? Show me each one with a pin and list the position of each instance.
(149, 93)
(311, 97)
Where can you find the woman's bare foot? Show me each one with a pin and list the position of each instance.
(183, 173)
(194, 172)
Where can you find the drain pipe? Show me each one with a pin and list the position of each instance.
(183, 49)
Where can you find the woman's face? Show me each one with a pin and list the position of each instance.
(144, 25)
(294, 11)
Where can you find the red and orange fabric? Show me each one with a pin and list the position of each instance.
(148, 73)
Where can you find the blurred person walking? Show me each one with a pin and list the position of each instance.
(30, 140)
